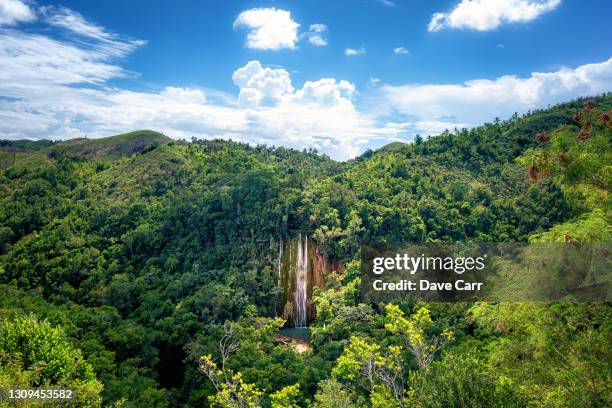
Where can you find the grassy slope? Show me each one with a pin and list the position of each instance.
(111, 147)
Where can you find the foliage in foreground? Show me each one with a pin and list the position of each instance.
(35, 354)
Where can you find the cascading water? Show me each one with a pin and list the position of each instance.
(301, 287)
(301, 267)
(280, 260)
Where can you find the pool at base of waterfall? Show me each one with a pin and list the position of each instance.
(298, 333)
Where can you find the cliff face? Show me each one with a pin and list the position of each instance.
(301, 267)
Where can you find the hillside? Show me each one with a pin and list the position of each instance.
(111, 147)
(142, 252)
(24, 146)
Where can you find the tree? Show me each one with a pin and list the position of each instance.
(377, 371)
(35, 354)
(557, 353)
(332, 394)
(413, 332)
(232, 391)
(463, 380)
(286, 397)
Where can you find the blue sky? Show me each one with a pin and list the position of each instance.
(339, 76)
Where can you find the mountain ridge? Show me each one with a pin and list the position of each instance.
(109, 147)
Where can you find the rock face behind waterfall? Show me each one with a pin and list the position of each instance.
(301, 268)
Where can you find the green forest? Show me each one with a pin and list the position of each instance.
(142, 271)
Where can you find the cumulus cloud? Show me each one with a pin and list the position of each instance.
(480, 100)
(484, 15)
(326, 92)
(15, 11)
(269, 28)
(401, 51)
(265, 86)
(353, 52)
(317, 35)
(261, 86)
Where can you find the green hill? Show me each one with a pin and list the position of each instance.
(111, 147)
(25, 146)
(392, 147)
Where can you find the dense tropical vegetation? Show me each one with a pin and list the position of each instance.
(140, 271)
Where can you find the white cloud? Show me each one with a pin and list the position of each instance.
(75, 22)
(387, 3)
(270, 28)
(326, 92)
(477, 101)
(484, 15)
(261, 86)
(109, 43)
(317, 35)
(184, 95)
(15, 11)
(401, 51)
(36, 60)
(352, 52)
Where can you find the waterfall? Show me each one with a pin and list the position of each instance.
(301, 290)
(301, 267)
(280, 260)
